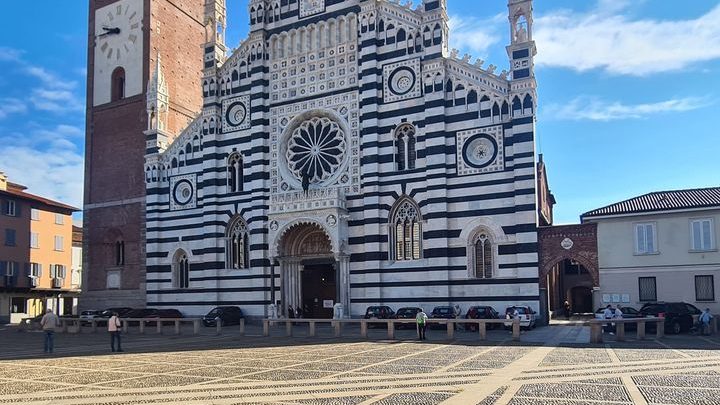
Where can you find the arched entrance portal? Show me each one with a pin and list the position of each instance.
(310, 278)
(570, 281)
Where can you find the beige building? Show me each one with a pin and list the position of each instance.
(660, 246)
(35, 254)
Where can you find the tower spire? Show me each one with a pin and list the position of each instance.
(158, 99)
(521, 52)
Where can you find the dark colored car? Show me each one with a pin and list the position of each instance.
(442, 312)
(406, 313)
(121, 311)
(628, 313)
(378, 312)
(481, 312)
(679, 316)
(141, 313)
(228, 316)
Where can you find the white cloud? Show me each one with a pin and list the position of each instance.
(10, 54)
(49, 79)
(10, 106)
(46, 161)
(474, 35)
(57, 101)
(604, 38)
(594, 109)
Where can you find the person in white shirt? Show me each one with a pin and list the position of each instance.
(609, 313)
(704, 321)
(114, 326)
(421, 320)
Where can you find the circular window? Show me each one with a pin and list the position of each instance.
(236, 114)
(316, 149)
(183, 192)
(402, 81)
(480, 151)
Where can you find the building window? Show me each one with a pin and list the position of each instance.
(235, 173)
(483, 256)
(405, 153)
(58, 243)
(648, 288)
(237, 249)
(57, 271)
(35, 214)
(8, 269)
(35, 270)
(120, 253)
(704, 288)
(182, 270)
(645, 239)
(701, 234)
(59, 219)
(18, 305)
(10, 208)
(34, 240)
(406, 231)
(118, 84)
(9, 237)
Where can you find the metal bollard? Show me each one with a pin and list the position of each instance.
(177, 327)
(242, 326)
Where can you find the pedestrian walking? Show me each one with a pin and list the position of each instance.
(608, 313)
(48, 323)
(421, 320)
(291, 312)
(298, 312)
(114, 327)
(704, 321)
(566, 305)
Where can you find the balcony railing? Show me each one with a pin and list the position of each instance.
(57, 282)
(297, 201)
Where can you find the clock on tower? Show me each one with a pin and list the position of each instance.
(118, 51)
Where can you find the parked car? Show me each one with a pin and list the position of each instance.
(442, 312)
(527, 317)
(378, 312)
(141, 313)
(406, 313)
(228, 316)
(121, 311)
(679, 316)
(628, 313)
(87, 316)
(481, 312)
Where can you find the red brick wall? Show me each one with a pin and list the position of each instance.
(584, 249)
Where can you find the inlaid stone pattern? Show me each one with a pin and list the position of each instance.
(236, 114)
(345, 106)
(311, 7)
(183, 192)
(401, 81)
(480, 150)
(316, 72)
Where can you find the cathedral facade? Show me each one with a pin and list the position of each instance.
(344, 154)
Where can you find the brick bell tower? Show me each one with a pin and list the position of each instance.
(143, 55)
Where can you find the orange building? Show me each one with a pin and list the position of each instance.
(36, 237)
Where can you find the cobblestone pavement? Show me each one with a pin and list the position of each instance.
(547, 367)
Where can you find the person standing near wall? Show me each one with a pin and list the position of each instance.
(421, 320)
(114, 327)
(49, 322)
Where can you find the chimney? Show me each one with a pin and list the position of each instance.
(3, 182)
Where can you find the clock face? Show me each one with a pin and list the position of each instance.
(119, 30)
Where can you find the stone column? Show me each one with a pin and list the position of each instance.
(283, 288)
(343, 266)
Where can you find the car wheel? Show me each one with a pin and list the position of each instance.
(676, 328)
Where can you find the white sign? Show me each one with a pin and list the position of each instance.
(328, 303)
(606, 297)
(616, 298)
(626, 298)
(567, 243)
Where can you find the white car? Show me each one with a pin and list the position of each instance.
(87, 316)
(527, 317)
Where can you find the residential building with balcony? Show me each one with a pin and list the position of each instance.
(35, 254)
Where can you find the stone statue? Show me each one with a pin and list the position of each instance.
(306, 180)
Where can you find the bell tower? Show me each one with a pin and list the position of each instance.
(129, 110)
(522, 50)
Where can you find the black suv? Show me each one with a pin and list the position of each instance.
(481, 312)
(442, 312)
(679, 316)
(228, 316)
(378, 312)
(406, 313)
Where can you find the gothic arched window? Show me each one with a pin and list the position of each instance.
(120, 253)
(483, 256)
(117, 92)
(235, 173)
(406, 231)
(181, 270)
(237, 246)
(405, 151)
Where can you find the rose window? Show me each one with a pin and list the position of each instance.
(316, 149)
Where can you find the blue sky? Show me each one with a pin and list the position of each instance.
(627, 92)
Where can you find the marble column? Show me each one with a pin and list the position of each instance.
(343, 266)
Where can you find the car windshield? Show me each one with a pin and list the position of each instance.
(443, 310)
(407, 311)
(374, 310)
(520, 310)
(88, 313)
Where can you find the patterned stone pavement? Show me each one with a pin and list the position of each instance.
(548, 367)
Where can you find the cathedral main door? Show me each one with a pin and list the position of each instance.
(319, 290)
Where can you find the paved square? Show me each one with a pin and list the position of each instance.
(547, 367)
